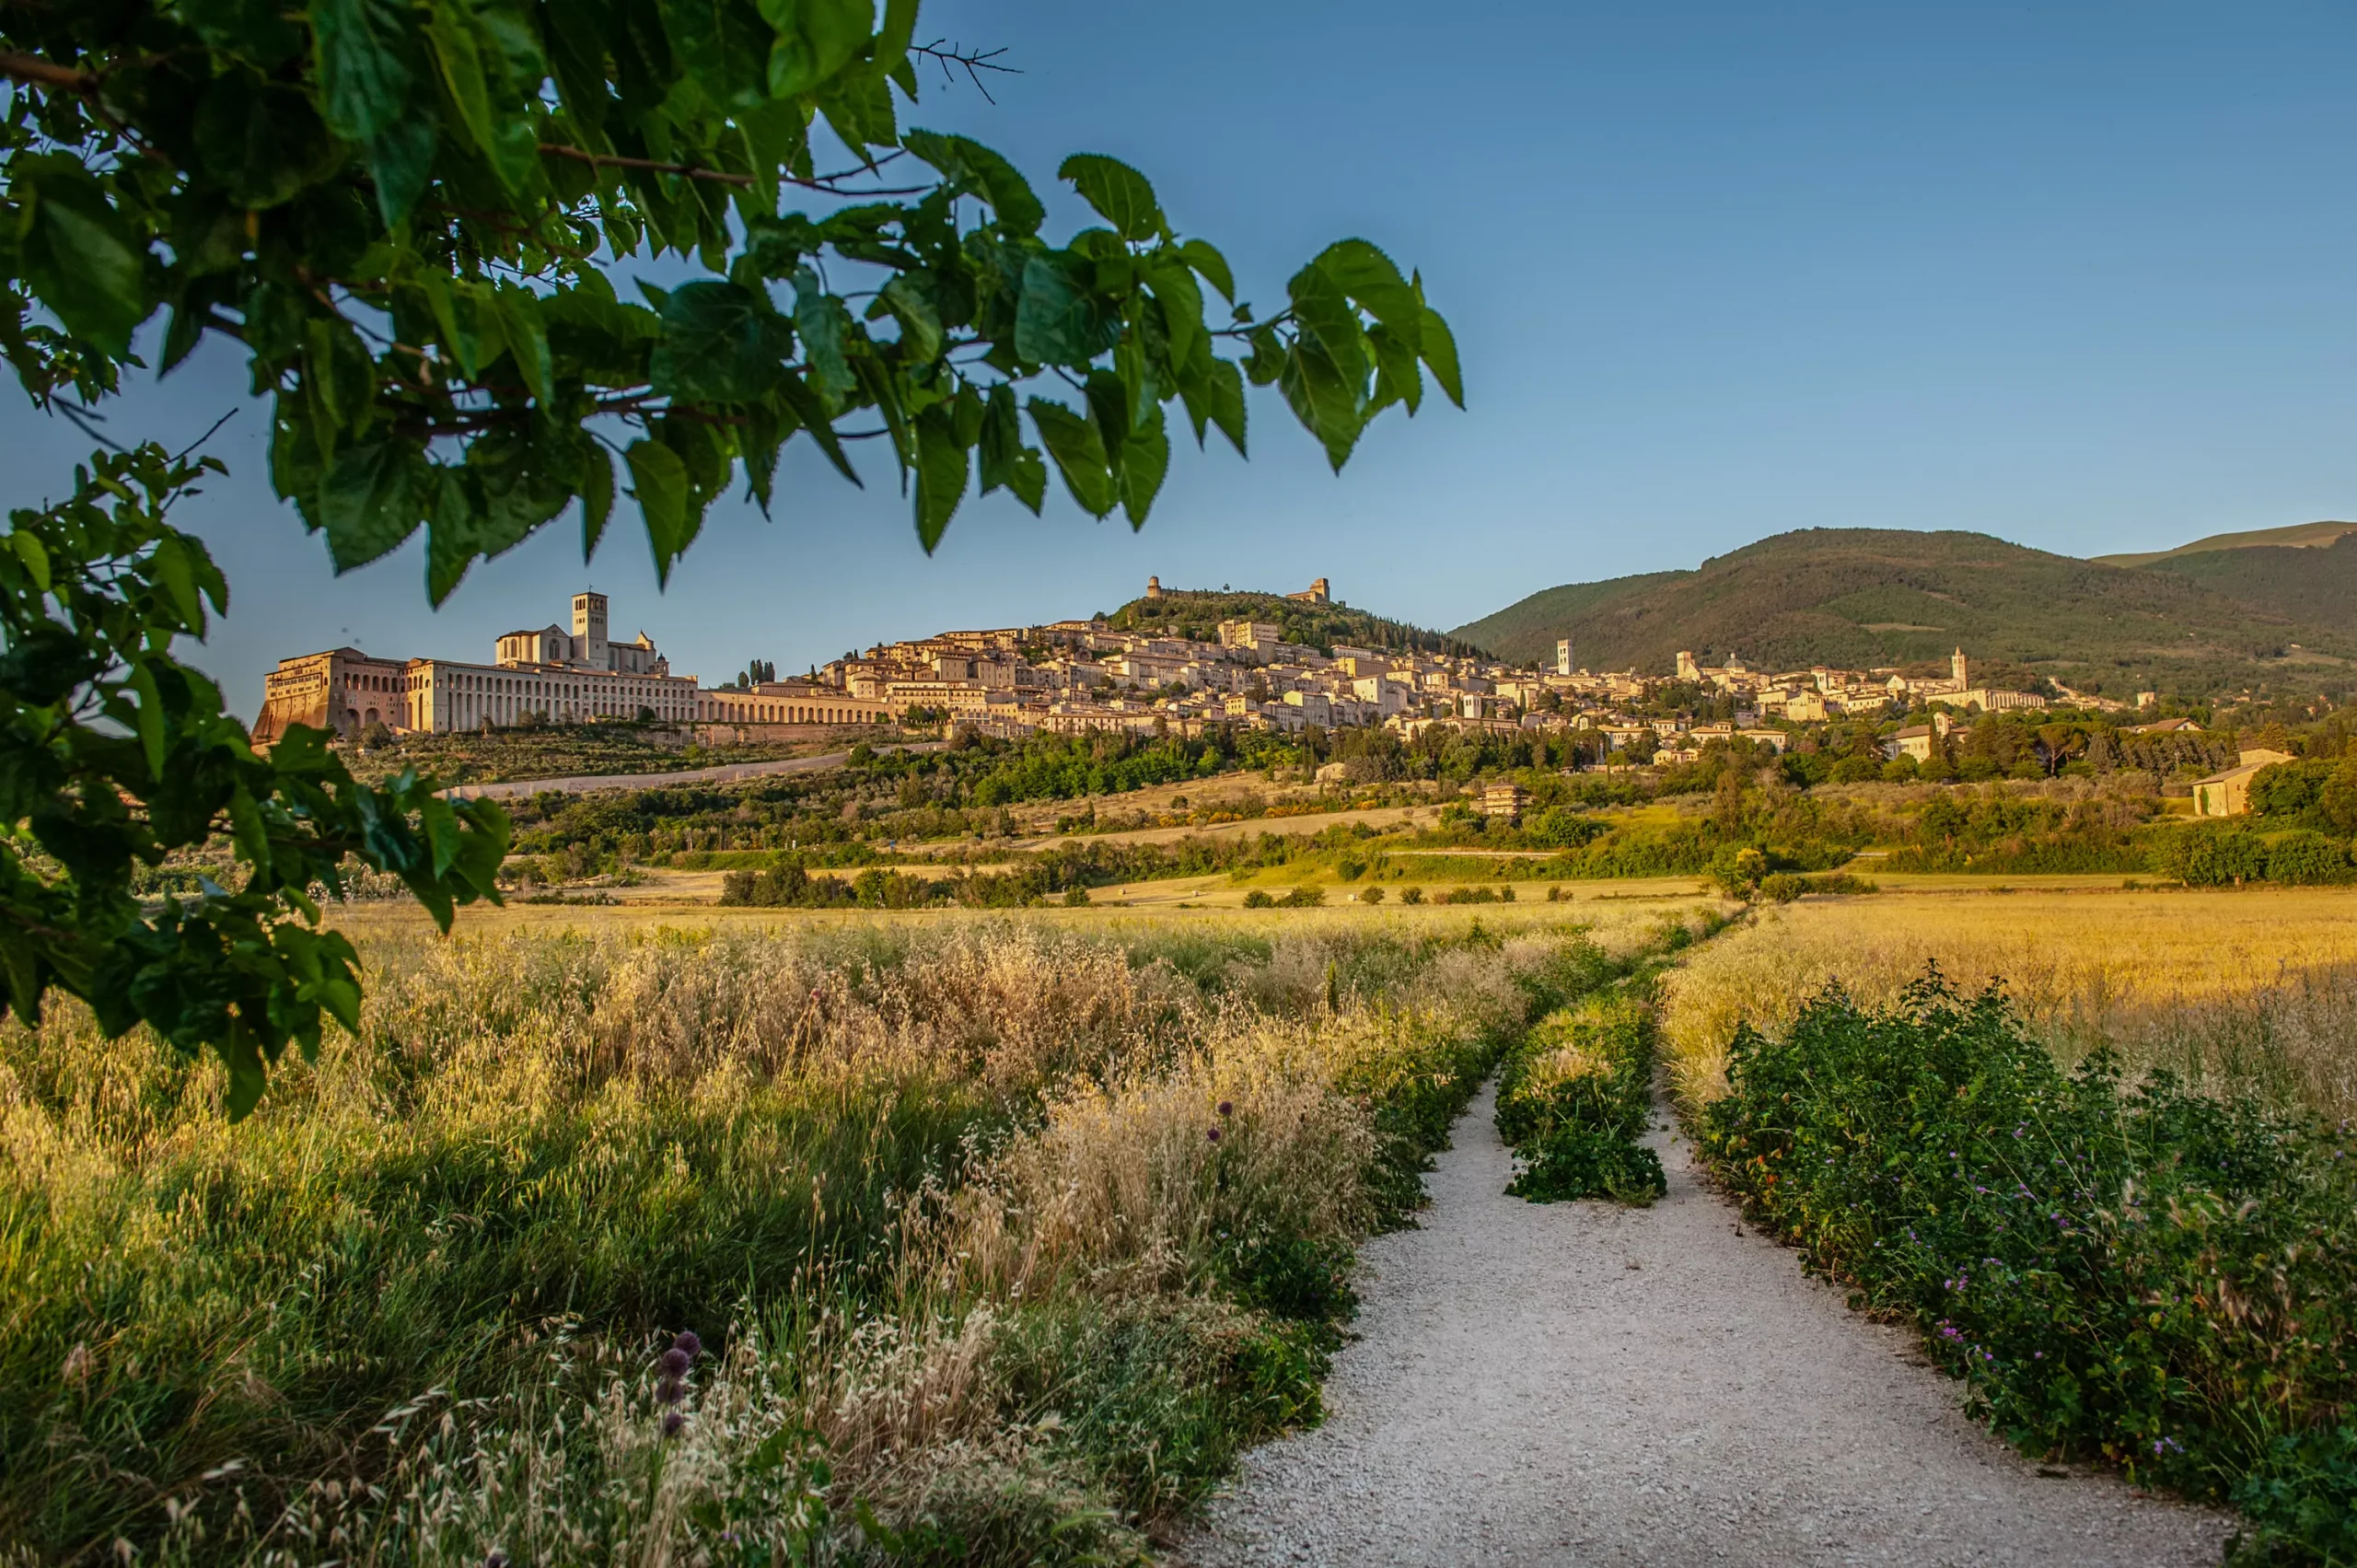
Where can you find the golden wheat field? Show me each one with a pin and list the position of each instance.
(2254, 987)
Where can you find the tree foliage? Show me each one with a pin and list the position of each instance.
(113, 754)
(407, 215)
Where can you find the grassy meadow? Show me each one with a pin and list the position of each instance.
(629, 1237)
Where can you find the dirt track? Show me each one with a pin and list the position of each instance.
(1577, 1383)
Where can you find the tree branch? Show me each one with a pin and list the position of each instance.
(34, 71)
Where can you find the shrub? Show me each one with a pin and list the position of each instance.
(1257, 898)
(1371, 896)
(2211, 855)
(1411, 895)
(1304, 898)
(1574, 1099)
(2135, 1272)
(2306, 858)
(1783, 887)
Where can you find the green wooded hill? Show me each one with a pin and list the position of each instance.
(1187, 613)
(2266, 617)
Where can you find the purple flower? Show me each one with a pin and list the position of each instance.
(672, 1422)
(675, 1361)
(671, 1390)
(495, 1557)
(688, 1342)
(1212, 1134)
(1227, 1108)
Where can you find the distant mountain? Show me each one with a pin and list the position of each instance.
(2314, 582)
(1869, 598)
(2299, 536)
(1190, 613)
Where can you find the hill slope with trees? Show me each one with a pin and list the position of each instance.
(1868, 597)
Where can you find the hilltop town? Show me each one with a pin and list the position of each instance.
(1135, 673)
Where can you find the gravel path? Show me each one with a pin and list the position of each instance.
(1578, 1383)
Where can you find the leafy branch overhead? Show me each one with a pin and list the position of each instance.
(113, 754)
(407, 214)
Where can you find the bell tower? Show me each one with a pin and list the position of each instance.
(589, 631)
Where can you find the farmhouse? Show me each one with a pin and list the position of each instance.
(2227, 793)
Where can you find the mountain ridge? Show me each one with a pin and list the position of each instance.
(2211, 621)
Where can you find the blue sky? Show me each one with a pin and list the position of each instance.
(2077, 274)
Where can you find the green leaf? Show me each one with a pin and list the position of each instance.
(477, 85)
(141, 680)
(1438, 347)
(721, 344)
(908, 298)
(815, 39)
(1079, 453)
(81, 257)
(261, 141)
(826, 330)
(942, 469)
(725, 46)
(339, 378)
(365, 50)
(1216, 396)
(596, 482)
(527, 340)
(1006, 461)
(241, 1054)
(1120, 193)
(1396, 381)
(859, 108)
(1204, 257)
(1058, 321)
(1145, 457)
(797, 394)
(659, 481)
(372, 498)
(1330, 404)
(400, 158)
(256, 31)
(974, 168)
(1367, 276)
(1182, 310)
(1326, 315)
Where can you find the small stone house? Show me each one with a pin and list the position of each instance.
(2227, 793)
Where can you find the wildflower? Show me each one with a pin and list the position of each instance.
(495, 1557)
(1212, 1134)
(688, 1341)
(1227, 1107)
(672, 1422)
(675, 1361)
(671, 1390)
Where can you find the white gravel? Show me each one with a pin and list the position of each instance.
(1579, 1383)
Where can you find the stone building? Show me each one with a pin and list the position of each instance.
(549, 676)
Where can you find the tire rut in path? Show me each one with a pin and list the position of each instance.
(1579, 1383)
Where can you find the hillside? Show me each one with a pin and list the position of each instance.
(2299, 536)
(2311, 584)
(1182, 612)
(1866, 598)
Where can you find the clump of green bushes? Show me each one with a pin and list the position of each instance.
(2129, 1269)
(1574, 1098)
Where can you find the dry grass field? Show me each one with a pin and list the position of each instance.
(1001, 1233)
(2256, 988)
